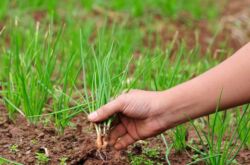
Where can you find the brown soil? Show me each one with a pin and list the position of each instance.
(77, 143)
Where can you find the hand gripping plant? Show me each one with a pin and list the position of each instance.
(100, 86)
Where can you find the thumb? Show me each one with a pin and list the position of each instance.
(106, 111)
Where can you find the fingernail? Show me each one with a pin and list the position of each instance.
(92, 116)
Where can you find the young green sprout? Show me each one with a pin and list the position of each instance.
(42, 158)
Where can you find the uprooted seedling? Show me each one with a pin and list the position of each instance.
(100, 86)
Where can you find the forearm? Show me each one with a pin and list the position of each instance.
(200, 96)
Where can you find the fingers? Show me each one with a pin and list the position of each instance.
(124, 141)
(117, 132)
(106, 111)
(120, 136)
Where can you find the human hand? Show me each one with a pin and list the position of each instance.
(141, 115)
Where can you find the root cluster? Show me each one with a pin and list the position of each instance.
(101, 142)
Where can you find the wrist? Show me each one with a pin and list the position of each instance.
(181, 105)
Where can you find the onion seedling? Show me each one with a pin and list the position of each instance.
(102, 89)
(63, 97)
(30, 73)
(179, 138)
(244, 125)
(223, 146)
(100, 86)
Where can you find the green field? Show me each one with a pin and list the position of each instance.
(64, 59)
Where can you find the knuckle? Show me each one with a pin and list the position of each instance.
(122, 99)
(122, 143)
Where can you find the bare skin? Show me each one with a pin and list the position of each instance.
(145, 114)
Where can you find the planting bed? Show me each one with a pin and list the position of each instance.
(56, 71)
(77, 144)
